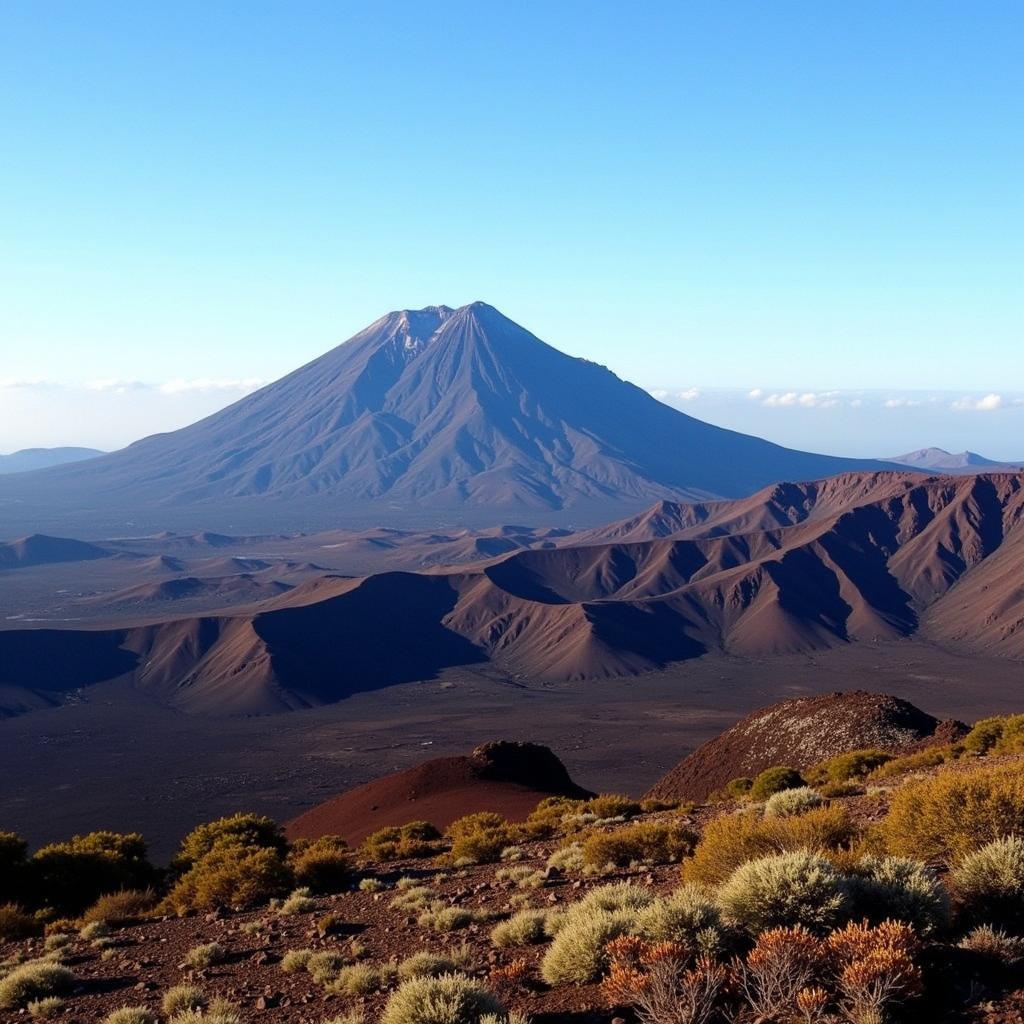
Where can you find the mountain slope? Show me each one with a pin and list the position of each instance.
(938, 460)
(862, 558)
(440, 408)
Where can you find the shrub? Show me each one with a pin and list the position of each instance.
(323, 865)
(522, 929)
(736, 789)
(246, 830)
(611, 805)
(71, 876)
(792, 801)
(901, 889)
(323, 967)
(220, 1011)
(182, 997)
(299, 902)
(984, 735)
(13, 865)
(441, 918)
(775, 780)
(547, 818)
(94, 930)
(46, 1008)
(990, 882)
(568, 858)
(448, 999)
(783, 963)
(230, 876)
(784, 890)
(356, 980)
(642, 842)
(930, 757)
(995, 944)
(130, 1015)
(480, 838)
(955, 812)
(370, 885)
(686, 916)
(122, 907)
(578, 954)
(425, 965)
(36, 979)
(207, 955)
(295, 960)
(406, 842)
(330, 924)
(853, 765)
(17, 923)
(733, 839)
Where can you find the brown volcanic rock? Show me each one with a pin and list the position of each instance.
(505, 777)
(801, 732)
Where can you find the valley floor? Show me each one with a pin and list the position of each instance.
(116, 760)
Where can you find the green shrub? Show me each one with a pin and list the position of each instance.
(356, 980)
(736, 789)
(568, 858)
(480, 838)
(323, 966)
(788, 802)
(641, 842)
(448, 999)
(18, 923)
(322, 865)
(296, 960)
(955, 812)
(405, 842)
(130, 1015)
(611, 805)
(182, 997)
(13, 867)
(577, 953)
(71, 876)
(854, 765)
(990, 882)
(441, 918)
(930, 757)
(298, 902)
(231, 876)
(220, 1011)
(899, 888)
(775, 780)
(207, 955)
(687, 916)
(784, 890)
(524, 928)
(46, 1008)
(732, 839)
(425, 965)
(984, 735)
(547, 818)
(994, 943)
(246, 830)
(36, 979)
(122, 907)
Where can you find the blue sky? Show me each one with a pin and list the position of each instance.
(791, 197)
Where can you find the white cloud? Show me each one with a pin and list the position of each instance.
(115, 385)
(987, 403)
(903, 403)
(181, 385)
(26, 383)
(778, 400)
(755, 394)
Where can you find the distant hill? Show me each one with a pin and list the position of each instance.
(795, 568)
(938, 460)
(43, 458)
(437, 408)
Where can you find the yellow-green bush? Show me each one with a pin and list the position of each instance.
(989, 883)
(480, 837)
(17, 923)
(642, 842)
(403, 842)
(72, 875)
(1003, 734)
(855, 764)
(930, 757)
(955, 812)
(732, 839)
(546, 819)
(611, 805)
(121, 907)
(36, 979)
(247, 830)
(322, 865)
(447, 999)
(231, 876)
(774, 780)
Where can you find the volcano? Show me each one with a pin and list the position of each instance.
(436, 408)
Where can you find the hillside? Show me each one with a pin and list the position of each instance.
(431, 409)
(797, 568)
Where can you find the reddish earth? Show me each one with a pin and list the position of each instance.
(801, 732)
(508, 778)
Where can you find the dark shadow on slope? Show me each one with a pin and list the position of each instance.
(387, 630)
(60, 660)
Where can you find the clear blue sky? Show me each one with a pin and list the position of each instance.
(784, 196)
